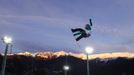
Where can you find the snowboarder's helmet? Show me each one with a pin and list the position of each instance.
(88, 27)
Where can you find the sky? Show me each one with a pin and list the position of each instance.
(44, 25)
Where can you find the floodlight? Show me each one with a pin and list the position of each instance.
(66, 67)
(89, 50)
(7, 40)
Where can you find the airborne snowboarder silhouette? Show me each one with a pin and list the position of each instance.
(81, 33)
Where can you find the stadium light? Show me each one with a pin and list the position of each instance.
(7, 40)
(66, 68)
(88, 50)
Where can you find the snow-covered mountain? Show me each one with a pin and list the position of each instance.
(52, 55)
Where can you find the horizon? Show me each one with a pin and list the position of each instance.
(83, 56)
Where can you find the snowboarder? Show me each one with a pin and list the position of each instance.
(81, 32)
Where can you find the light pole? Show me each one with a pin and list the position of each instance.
(33, 63)
(88, 50)
(66, 68)
(7, 40)
(11, 47)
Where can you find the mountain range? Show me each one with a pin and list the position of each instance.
(51, 63)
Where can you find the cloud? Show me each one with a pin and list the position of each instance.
(50, 33)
